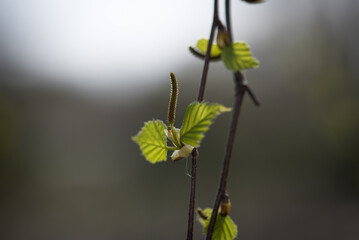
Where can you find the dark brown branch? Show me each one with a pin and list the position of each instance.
(192, 194)
(241, 87)
(200, 99)
(229, 30)
(228, 19)
(240, 90)
(207, 57)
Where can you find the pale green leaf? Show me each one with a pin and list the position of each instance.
(204, 216)
(224, 228)
(238, 57)
(152, 141)
(198, 118)
(202, 46)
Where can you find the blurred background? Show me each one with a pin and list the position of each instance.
(78, 78)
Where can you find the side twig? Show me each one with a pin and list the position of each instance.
(252, 95)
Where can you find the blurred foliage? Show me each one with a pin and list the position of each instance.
(9, 121)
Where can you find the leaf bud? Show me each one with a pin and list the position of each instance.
(223, 38)
(174, 136)
(225, 206)
(184, 152)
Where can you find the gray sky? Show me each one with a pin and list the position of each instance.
(99, 43)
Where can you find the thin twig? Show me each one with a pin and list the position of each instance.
(240, 90)
(228, 19)
(252, 95)
(240, 87)
(200, 99)
(229, 30)
(192, 195)
(215, 22)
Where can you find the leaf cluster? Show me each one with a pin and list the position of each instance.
(224, 229)
(236, 56)
(152, 138)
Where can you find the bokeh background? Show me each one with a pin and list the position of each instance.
(78, 78)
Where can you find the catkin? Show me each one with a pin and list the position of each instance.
(173, 99)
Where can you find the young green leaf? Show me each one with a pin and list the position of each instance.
(224, 228)
(238, 57)
(197, 120)
(152, 141)
(202, 46)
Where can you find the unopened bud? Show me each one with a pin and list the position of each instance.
(223, 38)
(174, 136)
(225, 206)
(184, 152)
